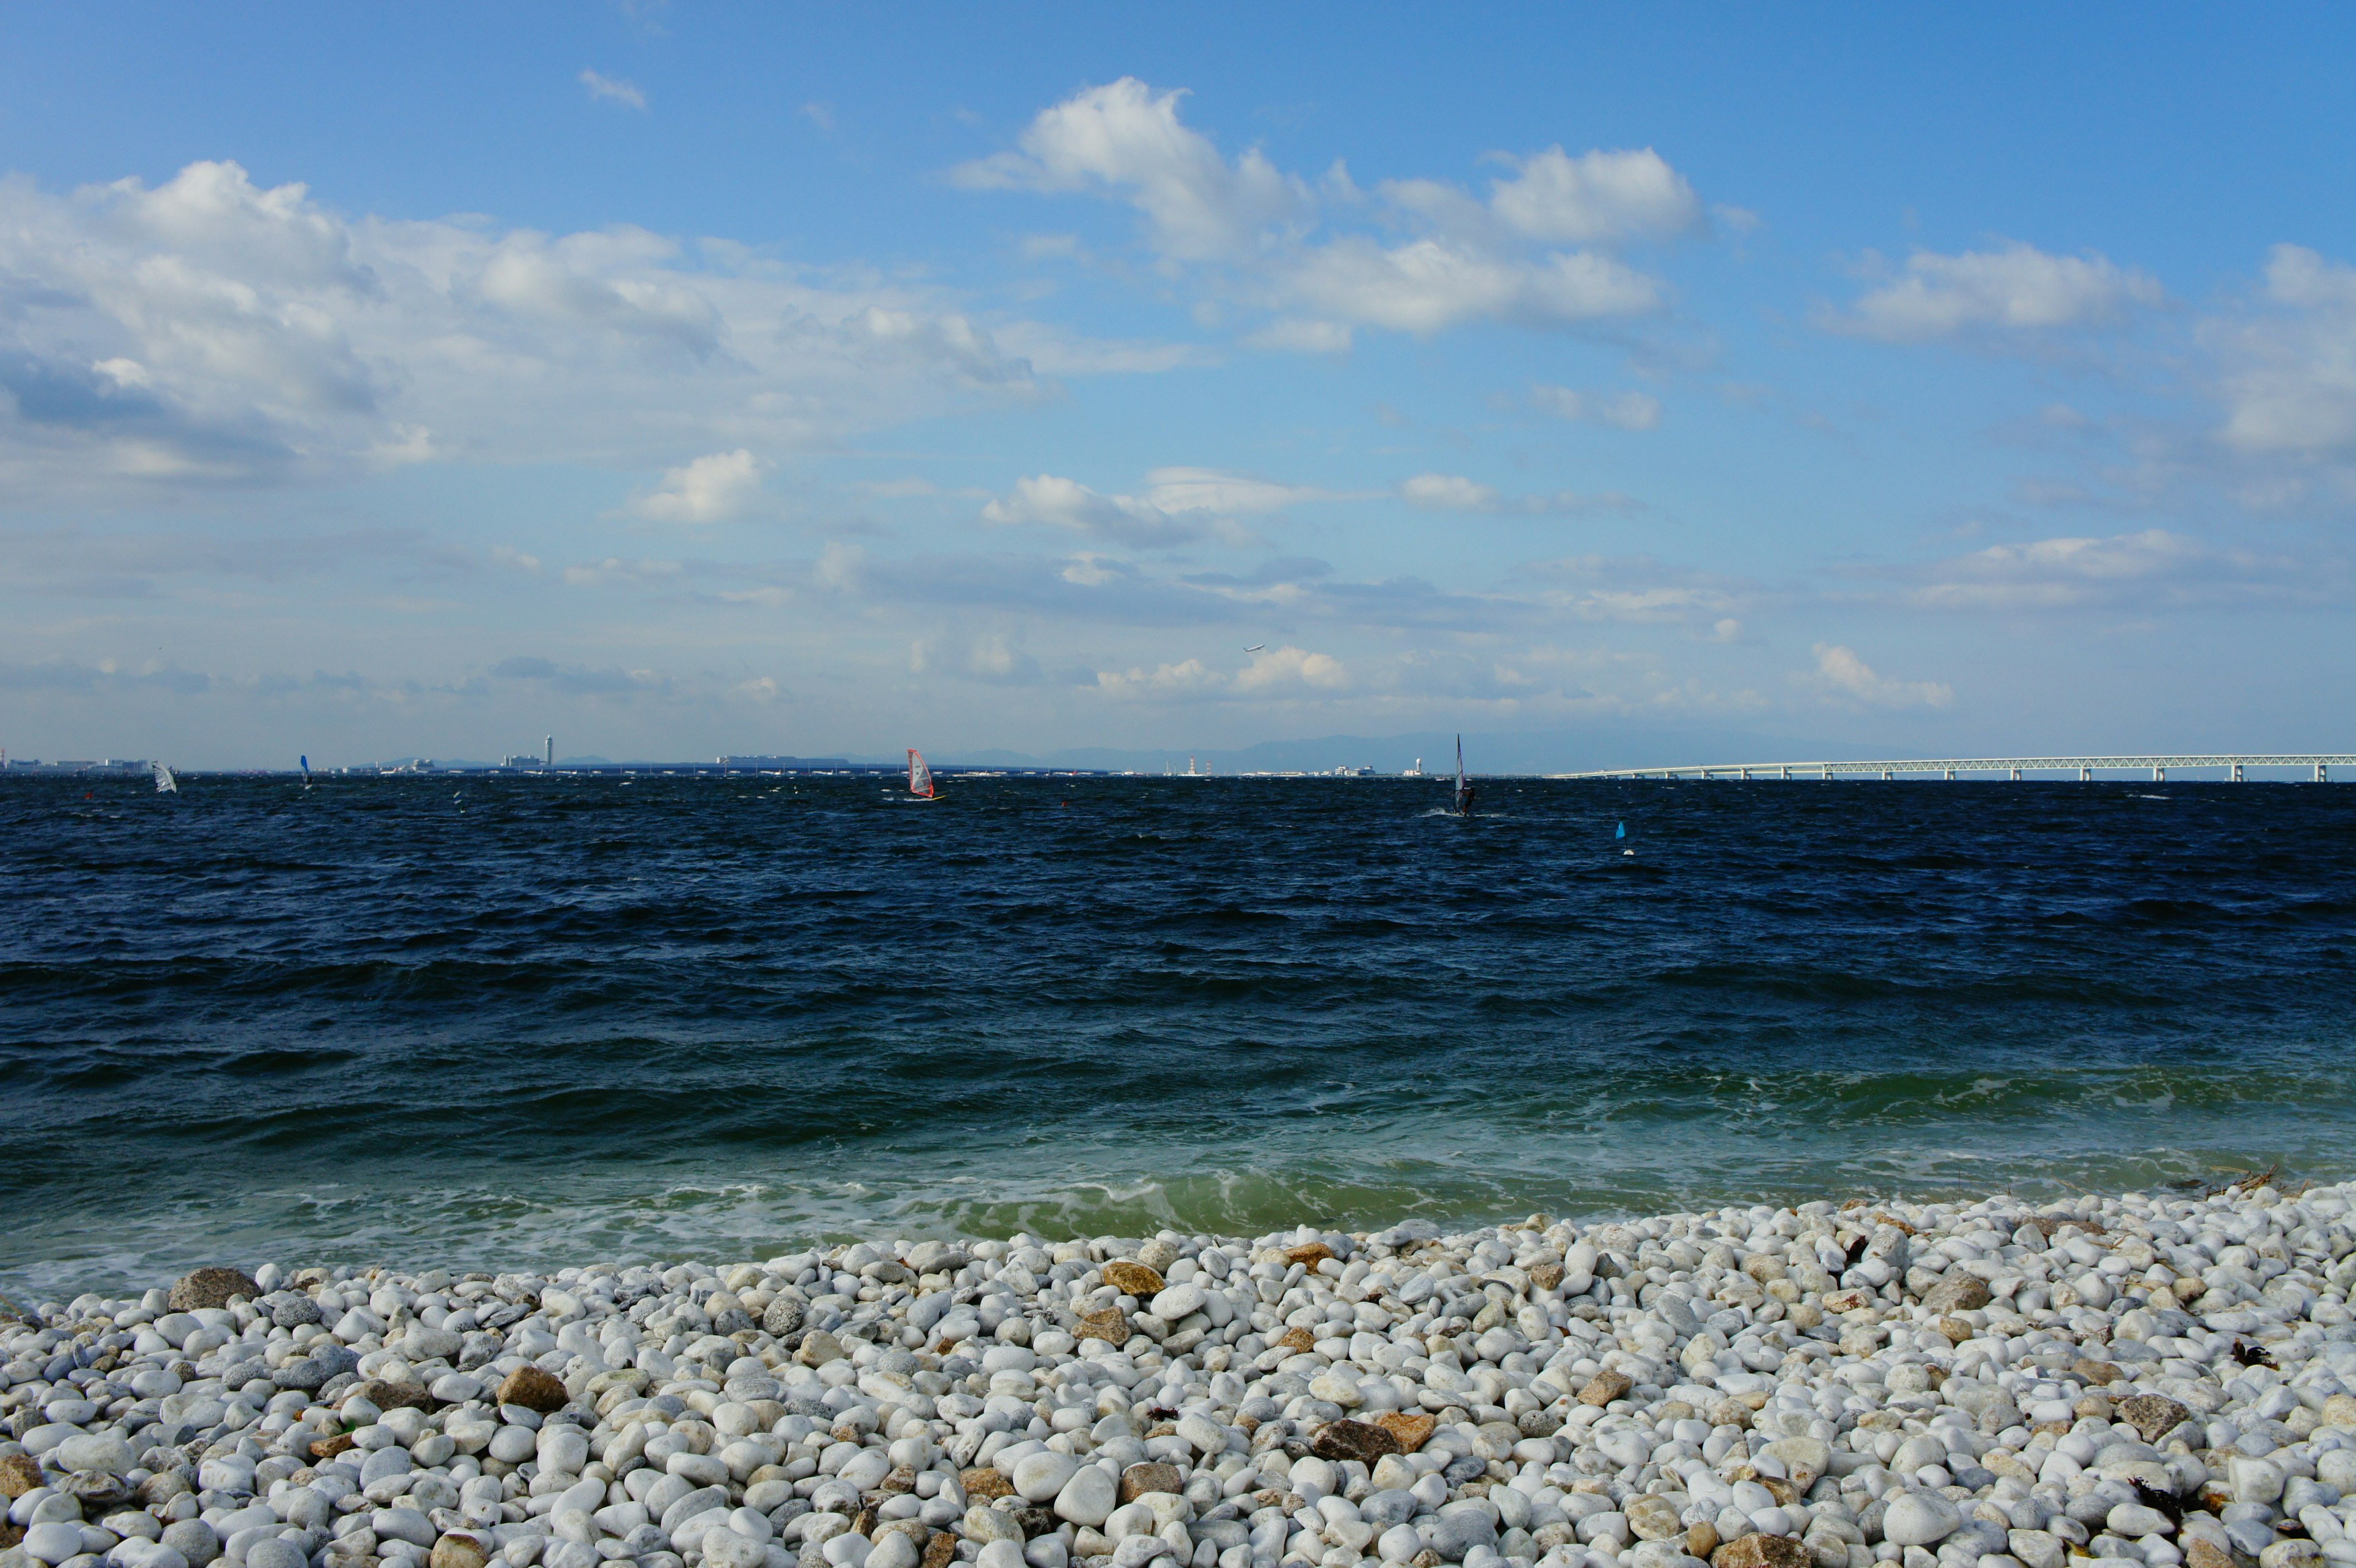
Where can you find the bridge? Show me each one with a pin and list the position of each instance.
(2231, 763)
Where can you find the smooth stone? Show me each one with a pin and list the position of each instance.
(1919, 1519)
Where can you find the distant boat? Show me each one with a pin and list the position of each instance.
(920, 777)
(165, 783)
(305, 762)
(1464, 792)
(1622, 832)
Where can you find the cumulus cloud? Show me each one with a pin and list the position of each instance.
(1253, 227)
(1455, 493)
(613, 89)
(1052, 501)
(1180, 504)
(209, 330)
(1126, 139)
(1288, 671)
(2289, 372)
(1839, 670)
(709, 490)
(1622, 411)
(2017, 289)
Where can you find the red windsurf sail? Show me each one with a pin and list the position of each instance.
(920, 777)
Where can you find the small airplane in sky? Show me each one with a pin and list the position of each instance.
(1256, 647)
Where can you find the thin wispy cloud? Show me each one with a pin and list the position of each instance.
(613, 90)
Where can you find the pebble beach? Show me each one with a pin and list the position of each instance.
(1992, 1384)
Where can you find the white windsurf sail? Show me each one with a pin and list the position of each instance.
(165, 783)
(920, 777)
(1464, 786)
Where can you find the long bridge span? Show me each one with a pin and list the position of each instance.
(2230, 763)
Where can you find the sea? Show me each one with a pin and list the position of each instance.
(521, 1022)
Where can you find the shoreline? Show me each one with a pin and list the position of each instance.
(1983, 1384)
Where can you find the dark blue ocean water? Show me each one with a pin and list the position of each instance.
(533, 1022)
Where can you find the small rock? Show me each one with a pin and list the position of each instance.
(1546, 1277)
(1758, 1551)
(1140, 1480)
(2200, 1551)
(2153, 1417)
(1133, 1279)
(1958, 1292)
(1300, 1341)
(1110, 1326)
(211, 1287)
(534, 1388)
(1356, 1440)
(20, 1473)
(1039, 1477)
(1919, 1519)
(1410, 1430)
(1655, 1519)
(783, 1318)
(1310, 1252)
(984, 1483)
(1177, 1301)
(412, 1396)
(1089, 1497)
(1604, 1387)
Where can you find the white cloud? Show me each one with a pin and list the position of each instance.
(1288, 668)
(2019, 289)
(1180, 504)
(1282, 672)
(1841, 670)
(1126, 138)
(2288, 377)
(1228, 495)
(1599, 197)
(1427, 285)
(820, 115)
(1623, 410)
(2149, 569)
(209, 330)
(1250, 226)
(613, 90)
(1053, 501)
(1455, 493)
(709, 490)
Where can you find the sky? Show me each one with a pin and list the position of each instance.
(1665, 384)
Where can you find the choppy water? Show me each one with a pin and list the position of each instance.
(543, 1021)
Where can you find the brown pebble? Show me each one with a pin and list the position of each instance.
(534, 1388)
(1132, 1279)
(1604, 1387)
(1411, 1429)
(1300, 1341)
(1346, 1439)
(2153, 1417)
(1310, 1253)
(1756, 1551)
(209, 1287)
(1139, 1479)
(20, 1473)
(984, 1483)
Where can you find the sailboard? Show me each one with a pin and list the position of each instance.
(1622, 832)
(1463, 803)
(165, 782)
(305, 762)
(920, 777)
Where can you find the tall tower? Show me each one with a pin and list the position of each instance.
(551, 762)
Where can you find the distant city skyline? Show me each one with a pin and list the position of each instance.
(1623, 388)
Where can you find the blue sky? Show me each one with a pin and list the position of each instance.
(1683, 381)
